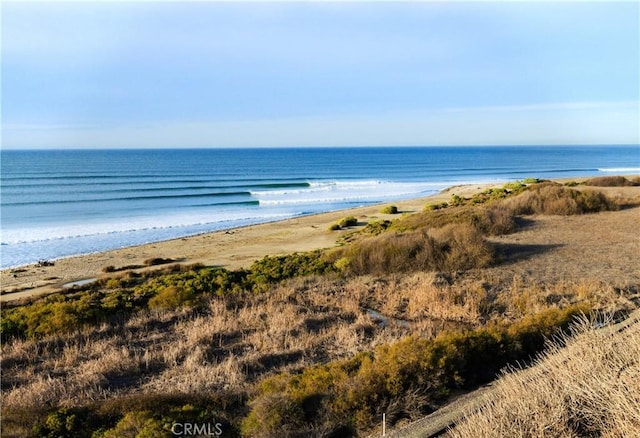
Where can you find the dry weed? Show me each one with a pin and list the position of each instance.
(588, 385)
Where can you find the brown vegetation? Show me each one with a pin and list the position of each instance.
(585, 385)
(450, 248)
(612, 181)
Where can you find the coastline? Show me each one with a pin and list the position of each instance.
(232, 248)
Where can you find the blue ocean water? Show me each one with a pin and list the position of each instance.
(61, 203)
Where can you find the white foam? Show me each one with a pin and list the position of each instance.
(619, 169)
(331, 192)
(129, 225)
(27, 244)
(92, 239)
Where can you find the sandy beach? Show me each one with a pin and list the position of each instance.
(232, 249)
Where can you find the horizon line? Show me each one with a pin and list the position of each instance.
(107, 148)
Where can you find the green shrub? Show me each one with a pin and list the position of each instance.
(334, 227)
(389, 209)
(62, 423)
(517, 186)
(349, 221)
(173, 297)
(456, 200)
(138, 424)
(377, 227)
(51, 315)
(273, 269)
(58, 313)
(437, 206)
(212, 281)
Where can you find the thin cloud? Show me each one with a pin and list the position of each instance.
(555, 106)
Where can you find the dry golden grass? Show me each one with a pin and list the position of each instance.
(229, 346)
(586, 385)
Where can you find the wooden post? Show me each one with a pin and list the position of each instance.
(384, 424)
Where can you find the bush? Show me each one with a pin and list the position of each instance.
(609, 181)
(52, 315)
(58, 313)
(559, 200)
(516, 186)
(464, 248)
(389, 209)
(172, 298)
(455, 247)
(157, 261)
(349, 221)
(138, 424)
(63, 423)
(377, 227)
(456, 200)
(270, 270)
(495, 219)
(431, 207)
(334, 227)
(274, 415)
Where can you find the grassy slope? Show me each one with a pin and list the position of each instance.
(588, 385)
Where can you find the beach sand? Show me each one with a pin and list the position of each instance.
(232, 249)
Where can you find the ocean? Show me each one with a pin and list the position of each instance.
(67, 202)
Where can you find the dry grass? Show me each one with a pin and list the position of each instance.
(588, 385)
(612, 181)
(226, 348)
(552, 199)
(449, 248)
(231, 345)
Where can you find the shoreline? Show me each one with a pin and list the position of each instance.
(231, 248)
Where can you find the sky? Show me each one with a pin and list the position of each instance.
(252, 74)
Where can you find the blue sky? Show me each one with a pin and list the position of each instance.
(223, 74)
